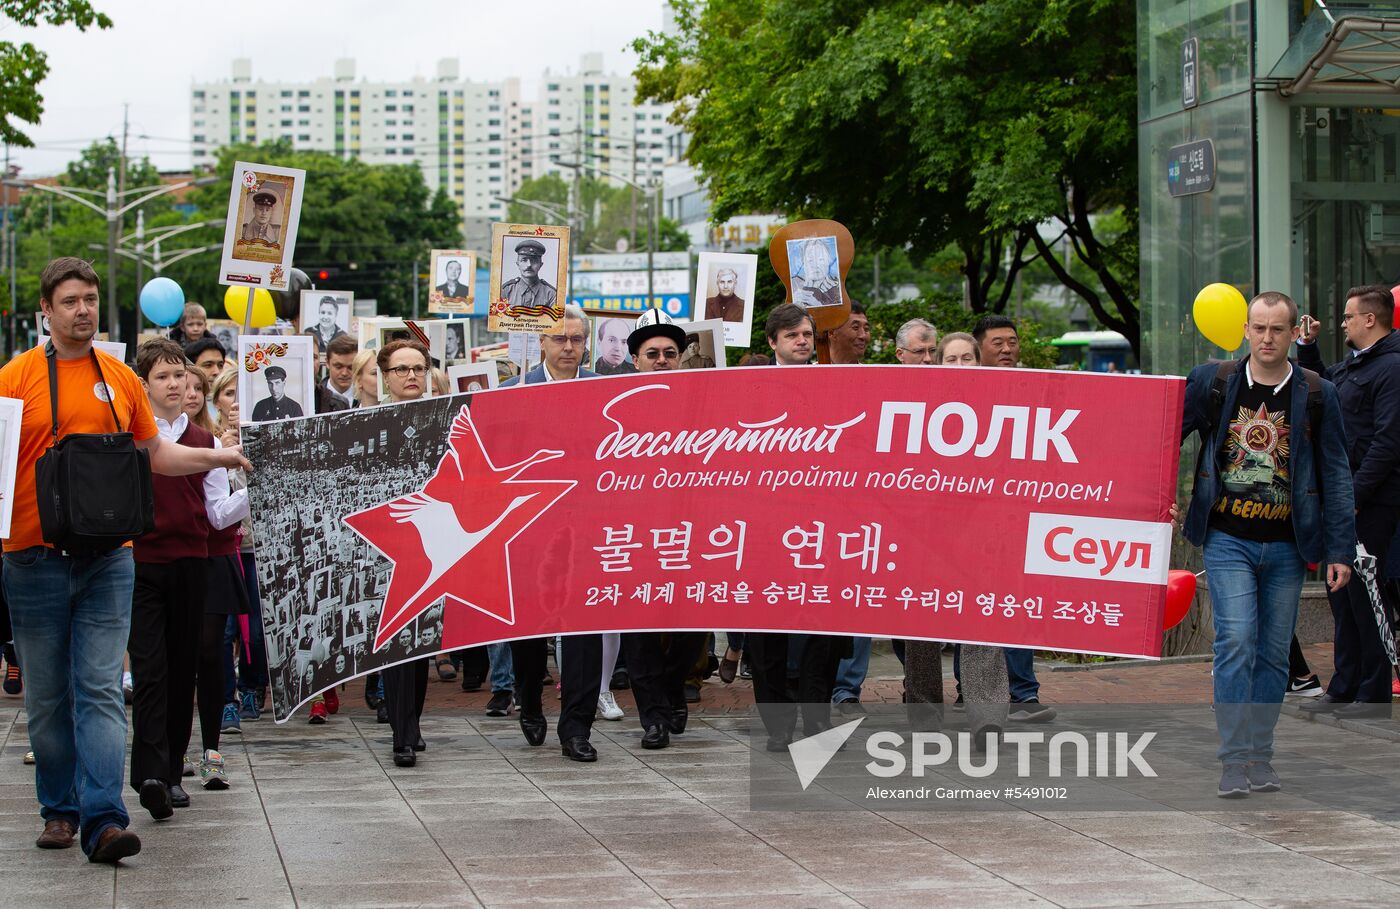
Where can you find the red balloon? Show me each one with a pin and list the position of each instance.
(1395, 295)
(1181, 591)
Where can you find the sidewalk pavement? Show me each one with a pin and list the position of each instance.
(319, 816)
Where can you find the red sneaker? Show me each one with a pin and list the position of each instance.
(318, 713)
(332, 702)
(1395, 689)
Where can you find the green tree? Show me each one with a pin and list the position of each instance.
(921, 124)
(605, 213)
(23, 66)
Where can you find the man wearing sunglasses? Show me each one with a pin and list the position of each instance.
(658, 662)
(581, 663)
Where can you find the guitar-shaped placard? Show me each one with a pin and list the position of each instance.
(812, 259)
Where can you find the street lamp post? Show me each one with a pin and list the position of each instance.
(113, 213)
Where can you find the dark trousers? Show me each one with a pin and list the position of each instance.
(658, 664)
(167, 614)
(1362, 667)
(209, 684)
(405, 687)
(475, 663)
(816, 678)
(580, 667)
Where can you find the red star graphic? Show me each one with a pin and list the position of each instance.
(446, 540)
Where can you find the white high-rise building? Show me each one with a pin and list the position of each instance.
(477, 140)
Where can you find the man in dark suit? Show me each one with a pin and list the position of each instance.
(581, 663)
(453, 289)
(277, 406)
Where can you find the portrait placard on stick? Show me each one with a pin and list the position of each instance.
(725, 281)
(11, 415)
(264, 207)
(452, 272)
(529, 277)
(277, 374)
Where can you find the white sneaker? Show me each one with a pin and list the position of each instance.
(211, 770)
(607, 706)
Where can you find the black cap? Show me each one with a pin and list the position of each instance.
(264, 198)
(529, 248)
(275, 372)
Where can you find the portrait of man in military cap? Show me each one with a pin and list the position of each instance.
(260, 227)
(527, 290)
(529, 277)
(276, 373)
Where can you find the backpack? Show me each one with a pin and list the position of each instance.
(93, 488)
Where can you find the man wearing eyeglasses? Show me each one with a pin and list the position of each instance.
(1368, 387)
(581, 662)
(916, 343)
(658, 662)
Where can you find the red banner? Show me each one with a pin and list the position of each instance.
(1011, 507)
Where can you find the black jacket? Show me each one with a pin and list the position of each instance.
(1368, 386)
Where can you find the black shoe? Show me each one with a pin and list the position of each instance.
(155, 798)
(1031, 711)
(653, 738)
(850, 707)
(1362, 710)
(372, 697)
(692, 694)
(420, 745)
(580, 749)
(620, 681)
(472, 682)
(534, 728)
(445, 670)
(499, 705)
(679, 716)
(778, 743)
(405, 757)
(381, 714)
(179, 798)
(1324, 704)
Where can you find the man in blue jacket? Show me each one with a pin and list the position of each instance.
(1272, 493)
(581, 663)
(1368, 387)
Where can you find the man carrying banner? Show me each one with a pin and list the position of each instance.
(658, 662)
(1272, 492)
(581, 662)
(1368, 387)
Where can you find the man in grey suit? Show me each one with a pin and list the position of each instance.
(582, 660)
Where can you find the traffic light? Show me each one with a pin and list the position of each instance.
(324, 273)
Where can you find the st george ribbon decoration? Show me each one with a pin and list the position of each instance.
(999, 506)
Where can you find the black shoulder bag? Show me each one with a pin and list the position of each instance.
(94, 488)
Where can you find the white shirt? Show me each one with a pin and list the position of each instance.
(550, 377)
(222, 508)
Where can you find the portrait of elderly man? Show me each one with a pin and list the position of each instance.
(814, 284)
(453, 288)
(725, 304)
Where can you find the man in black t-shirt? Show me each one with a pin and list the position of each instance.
(1271, 493)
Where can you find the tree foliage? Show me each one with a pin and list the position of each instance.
(604, 214)
(23, 66)
(920, 124)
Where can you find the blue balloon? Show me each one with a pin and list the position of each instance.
(162, 301)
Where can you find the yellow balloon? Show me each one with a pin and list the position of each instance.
(236, 302)
(1220, 312)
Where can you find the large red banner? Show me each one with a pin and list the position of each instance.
(999, 506)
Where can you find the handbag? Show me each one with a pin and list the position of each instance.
(94, 488)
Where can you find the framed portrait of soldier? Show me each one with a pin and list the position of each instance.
(704, 344)
(470, 377)
(260, 233)
(325, 315)
(609, 345)
(11, 414)
(276, 374)
(226, 332)
(529, 277)
(724, 287)
(452, 272)
(814, 267)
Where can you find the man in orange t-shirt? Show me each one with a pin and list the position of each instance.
(71, 614)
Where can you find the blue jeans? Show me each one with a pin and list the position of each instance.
(1020, 669)
(1254, 590)
(252, 656)
(71, 619)
(502, 669)
(850, 675)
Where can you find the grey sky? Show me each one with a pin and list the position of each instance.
(156, 48)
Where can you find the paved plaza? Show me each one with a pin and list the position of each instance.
(319, 816)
